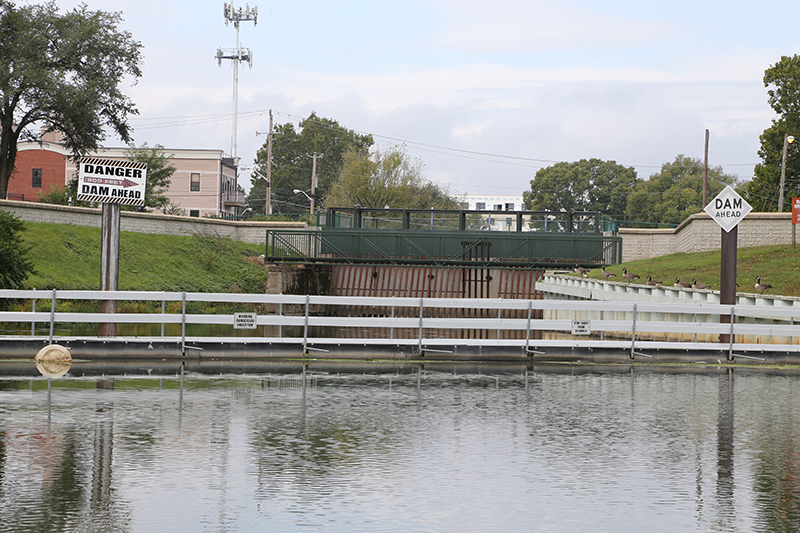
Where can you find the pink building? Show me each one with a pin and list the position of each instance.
(204, 182)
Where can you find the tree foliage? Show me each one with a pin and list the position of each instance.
(381, 179)
(292, 162)
(783, 89)
(676, 192)
(14, 263)
(585, 185)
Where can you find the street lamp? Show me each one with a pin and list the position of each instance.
(299, 191)
(787, 140)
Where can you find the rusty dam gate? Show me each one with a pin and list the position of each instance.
(434, 253)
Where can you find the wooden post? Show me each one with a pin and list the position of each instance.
(727, 289)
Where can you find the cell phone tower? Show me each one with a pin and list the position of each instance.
(236, 55)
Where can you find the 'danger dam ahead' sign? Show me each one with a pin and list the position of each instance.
(110, 181)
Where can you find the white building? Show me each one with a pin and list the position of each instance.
(480, 202)
(493, 204)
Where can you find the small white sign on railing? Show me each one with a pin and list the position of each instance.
(244, 320)
(581, 327)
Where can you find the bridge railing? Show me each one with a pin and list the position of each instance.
(470, 249)
(416, 322)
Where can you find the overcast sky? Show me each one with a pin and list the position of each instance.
(483, 93)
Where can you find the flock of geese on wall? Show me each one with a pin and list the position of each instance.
(630, 276)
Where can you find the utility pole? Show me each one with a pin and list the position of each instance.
(238, 54)
(314, 180)
(268, 207)
(787, 140)
(705, 173)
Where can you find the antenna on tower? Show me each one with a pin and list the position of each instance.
(236, 55)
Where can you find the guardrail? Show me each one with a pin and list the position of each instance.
(430, 325)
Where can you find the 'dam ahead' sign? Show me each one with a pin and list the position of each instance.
(111, 181)
(728, 209)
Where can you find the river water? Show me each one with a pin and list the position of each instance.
(563, 448)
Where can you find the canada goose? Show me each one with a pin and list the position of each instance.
(761, 287)
(630, 276)
(681, 284)
(701, 286)
(607, 274)
(653, 282)
(581, 270)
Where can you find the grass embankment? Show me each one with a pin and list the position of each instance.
(777, 265)
(68, 257)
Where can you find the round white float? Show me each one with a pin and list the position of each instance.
(53, 361)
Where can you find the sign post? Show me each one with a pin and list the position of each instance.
(795, 219)
(727, 210)
(113, 183)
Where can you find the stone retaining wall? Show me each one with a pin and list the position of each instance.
(249, 232)
(699, 233)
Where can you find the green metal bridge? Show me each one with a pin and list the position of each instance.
(462, 238)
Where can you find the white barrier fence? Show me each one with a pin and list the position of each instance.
(422, 323)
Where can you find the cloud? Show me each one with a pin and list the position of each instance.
(511, 26)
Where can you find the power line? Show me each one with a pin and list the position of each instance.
(433, 148)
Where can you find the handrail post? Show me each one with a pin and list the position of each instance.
(528, 331)
(633, 332)
(305, 328)
(33, 310)
(52, 315)
(163, 311)
(183, 324)
(420, 326)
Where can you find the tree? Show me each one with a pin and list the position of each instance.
(159, 176)
(676, 192)
(14, 263)
(62, 72)
(385, 178)
(585, 185)
(292, 152)
(783, 83)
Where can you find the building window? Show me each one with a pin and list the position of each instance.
(37, 178)
(194, 213)
(195, 183)
(509, 207)
(498, 207)
(480, 206)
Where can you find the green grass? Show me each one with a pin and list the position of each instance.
(68, 257)
(777, 265)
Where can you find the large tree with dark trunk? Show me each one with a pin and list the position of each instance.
(62, 72)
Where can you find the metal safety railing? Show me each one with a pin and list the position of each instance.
(469, 249)
(423, 322)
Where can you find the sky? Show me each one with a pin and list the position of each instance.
(483, 94)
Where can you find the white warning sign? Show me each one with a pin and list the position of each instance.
(111, 181)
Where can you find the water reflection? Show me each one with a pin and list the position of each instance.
(578, 449)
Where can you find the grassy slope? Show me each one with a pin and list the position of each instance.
(777, 265)
(68, 257)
